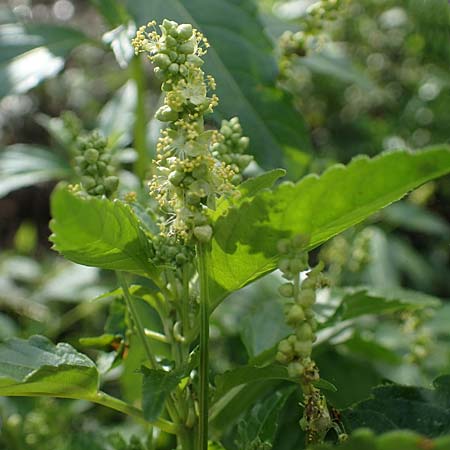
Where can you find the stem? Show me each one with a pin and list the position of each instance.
(140, 329)
(202, 255)
(114, 403)
(140, 127)
(137, 321)
(156, 336)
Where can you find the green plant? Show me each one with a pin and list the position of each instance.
(202, 235)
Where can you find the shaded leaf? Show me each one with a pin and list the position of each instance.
(99, 232)
(257, 431)
(245, 84)
(31, 53)
(263, 328)
(36, 367)
(416, 218)
(156, 387)
(355, 302)
(116, 119)
(24, 165)
(248, 374)
(398, 440)
(426, 411)
(119, 40)
(319, 207)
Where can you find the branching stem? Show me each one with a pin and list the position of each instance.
(202, 255)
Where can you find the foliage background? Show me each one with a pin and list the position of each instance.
(376, 80)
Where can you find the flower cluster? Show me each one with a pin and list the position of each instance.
(295, 351)
(189, 175)
(231, 148)
(93, 165)
(312, 35)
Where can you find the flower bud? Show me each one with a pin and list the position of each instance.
(166, 114)
(295, 315)
(285, 347)
(91, 155)
(286, 290)
(111, 183)
(88, 182)
(174, 68)
(295, 369)
(187, 47)
(161, 60)
(303, 348)
(176, 177)
(203, 233)
(304, 332)
(184, 31)
(306, 298)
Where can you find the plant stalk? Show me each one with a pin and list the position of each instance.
(140, 126)
(202, 255)
(104, 399)
(137, 321)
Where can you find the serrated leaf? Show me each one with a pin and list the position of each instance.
(157, 386)
(245, 237)
(36, 367)
(398, 440)
(98, 232)
(31, 53)
(246, 85)
(258, 429)
(426, 411)
(24, 165)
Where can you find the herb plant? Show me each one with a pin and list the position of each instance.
(205, 231)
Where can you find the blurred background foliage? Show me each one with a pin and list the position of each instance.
(312, 87)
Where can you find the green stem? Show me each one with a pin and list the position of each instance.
(114, 403)
(137, 321)
(202, 255)
(140, 329)
(141, 164)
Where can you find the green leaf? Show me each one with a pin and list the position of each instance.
(119, 39)
(157, 386)
(264, 327)
(31, 53)
(112, 11)
(215, 446)
(98, 232)
(359, 301)
(416, 218)
(241, 60)
(24, 165)
(36, 367)
(245, 375)
(335, 65)
(116, 119)
(426, 411)
(245, 237)
(365, 439)
(257, 431)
